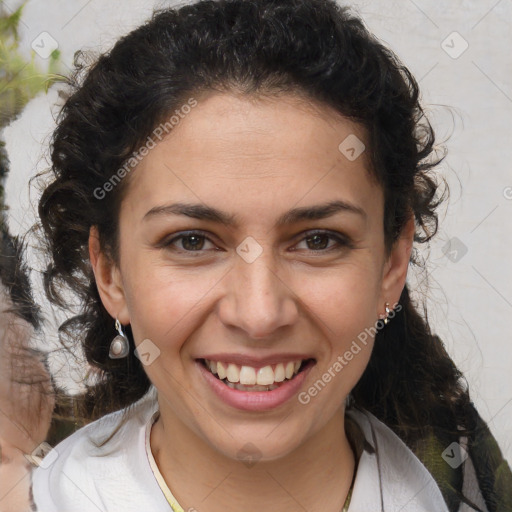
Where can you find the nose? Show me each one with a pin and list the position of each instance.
(258, 301)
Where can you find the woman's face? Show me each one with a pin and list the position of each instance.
(254, 286)
(25, 408)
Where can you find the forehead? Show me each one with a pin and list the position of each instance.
(246, 152)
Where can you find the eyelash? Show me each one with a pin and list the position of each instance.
(342, 241)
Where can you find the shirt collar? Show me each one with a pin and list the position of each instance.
(389, 476)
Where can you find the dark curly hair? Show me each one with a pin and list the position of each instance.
(312, 48)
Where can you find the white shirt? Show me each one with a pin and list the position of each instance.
(123, 476)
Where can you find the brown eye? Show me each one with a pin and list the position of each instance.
(319, 241)
(192, 242)
(188, 242)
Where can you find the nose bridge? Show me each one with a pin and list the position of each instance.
(259, 301)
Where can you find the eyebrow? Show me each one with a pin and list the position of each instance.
(295, 215)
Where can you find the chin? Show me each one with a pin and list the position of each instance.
(259, 443)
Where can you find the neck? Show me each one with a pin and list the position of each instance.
(314, 477)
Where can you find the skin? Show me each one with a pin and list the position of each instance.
(25, 409)
(256, 159)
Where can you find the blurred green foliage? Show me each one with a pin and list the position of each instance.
(20, 79)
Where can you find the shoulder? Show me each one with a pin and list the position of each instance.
(389, 474)
(80, 474)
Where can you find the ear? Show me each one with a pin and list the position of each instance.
(396, 266)
(108, 279)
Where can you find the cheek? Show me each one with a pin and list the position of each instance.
(344, 304)
(163, 302)
(345, 298)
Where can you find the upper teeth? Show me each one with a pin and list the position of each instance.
(248, 375)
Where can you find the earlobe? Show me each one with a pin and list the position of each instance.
(108, 279)
(397, 264)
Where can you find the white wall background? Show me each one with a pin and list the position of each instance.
(470, 282)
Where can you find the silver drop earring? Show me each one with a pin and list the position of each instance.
(120, 346)
(388, 311)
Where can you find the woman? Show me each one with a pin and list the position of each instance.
(236, 191)
(26, 394)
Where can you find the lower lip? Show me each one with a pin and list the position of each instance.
(255, 400)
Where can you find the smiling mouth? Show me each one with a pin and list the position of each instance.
(248, 378)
